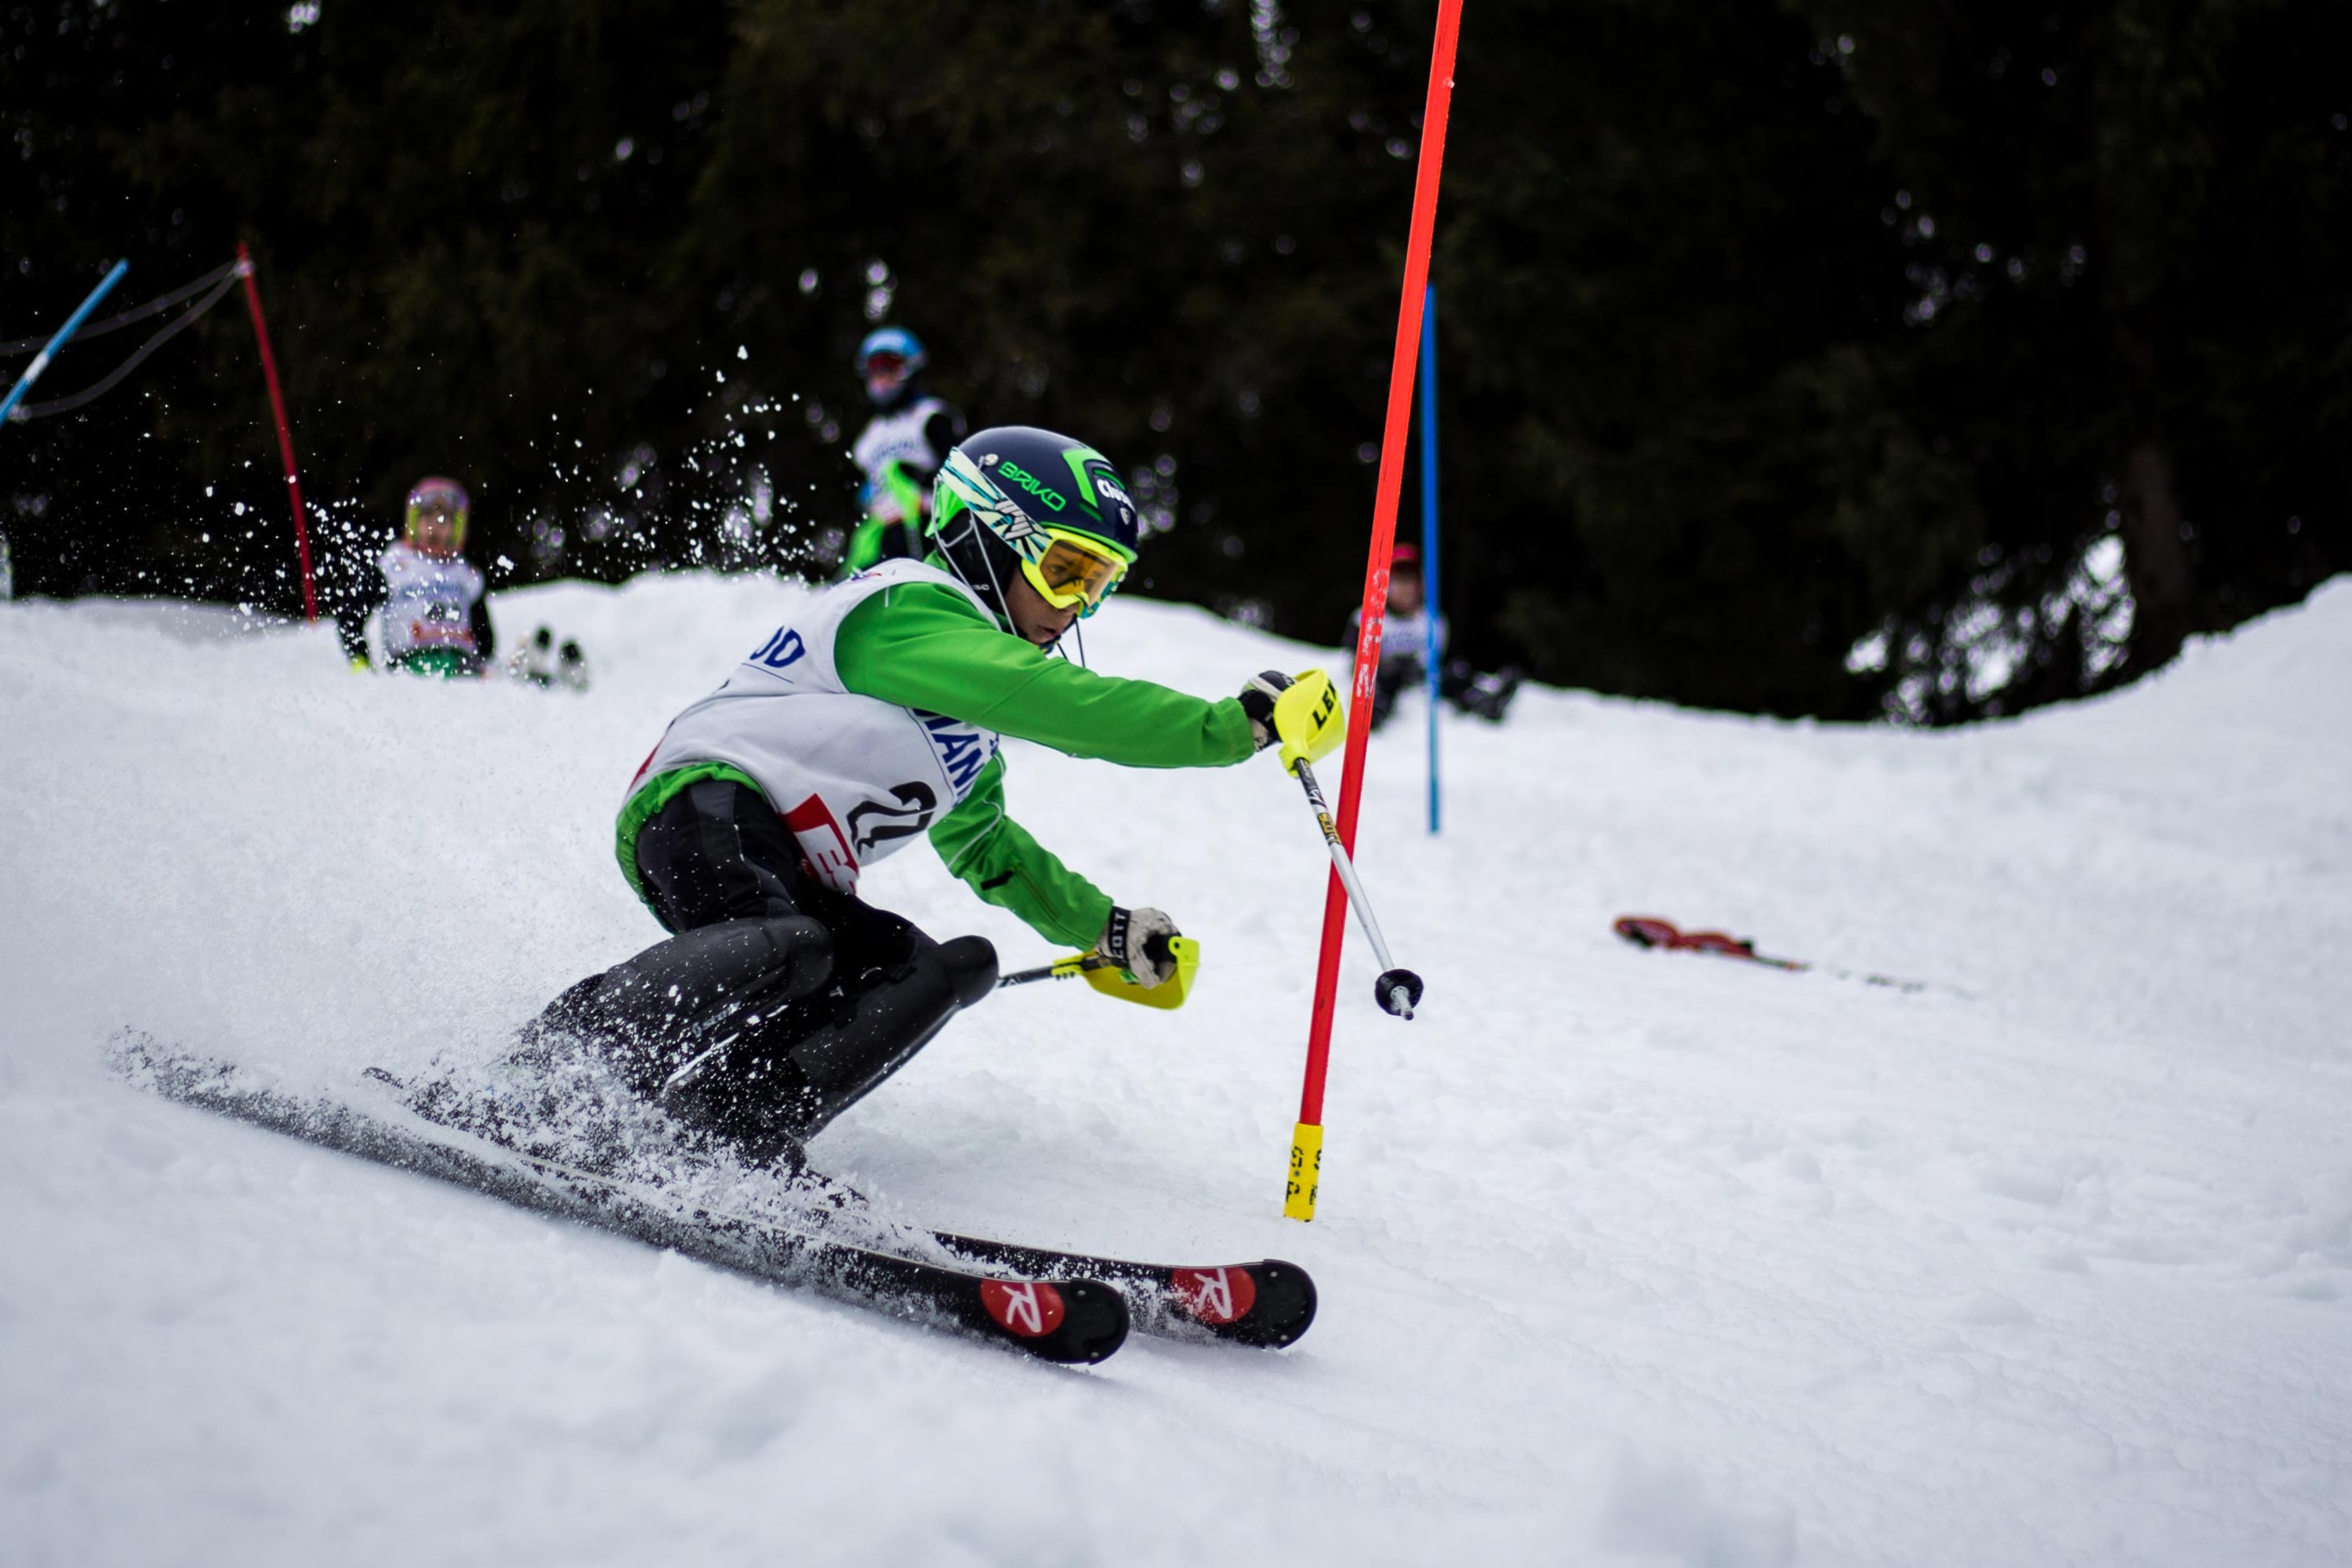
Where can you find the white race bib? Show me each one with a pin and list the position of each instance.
(854, 777)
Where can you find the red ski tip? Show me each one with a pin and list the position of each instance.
(1030, 1309)
(1214, 1296)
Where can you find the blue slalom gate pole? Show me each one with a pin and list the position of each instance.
(73, 324)
(1429, 524)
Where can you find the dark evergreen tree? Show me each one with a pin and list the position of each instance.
(2129, 235)
(1843, 358)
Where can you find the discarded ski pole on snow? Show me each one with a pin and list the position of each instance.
(1651, 931)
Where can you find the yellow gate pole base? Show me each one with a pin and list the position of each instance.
(1305, 1171)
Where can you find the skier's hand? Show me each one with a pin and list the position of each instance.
(1137, 940)
(1259, 694)
(1303, 713)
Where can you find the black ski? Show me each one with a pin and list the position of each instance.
(1068, 1319)
(1268, 1304)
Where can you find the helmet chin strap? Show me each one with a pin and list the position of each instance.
(1004, 606)
(1003, 611)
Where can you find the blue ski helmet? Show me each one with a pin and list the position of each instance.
(1003, 493)
(888, 343)
(888, 361)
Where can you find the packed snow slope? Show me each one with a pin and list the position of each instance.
(1625, 1256)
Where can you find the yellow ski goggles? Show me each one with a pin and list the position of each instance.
(442, 499)
(1073, 571)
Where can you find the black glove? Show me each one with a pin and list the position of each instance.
(1137, 940)
(1257, 702)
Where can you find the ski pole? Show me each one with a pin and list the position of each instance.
(1396, 990)
(73, 324)
(1060, 969)
(1106, 975)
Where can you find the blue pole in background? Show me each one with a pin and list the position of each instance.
(1428, 523)
(73, 324)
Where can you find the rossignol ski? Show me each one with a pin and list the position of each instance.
(1070, 1318)
(1267, 1304)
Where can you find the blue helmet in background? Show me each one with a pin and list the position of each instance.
(892, 344)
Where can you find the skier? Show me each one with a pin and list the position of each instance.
(870, 717)
(435, 620)
(899, 450)
(1412, 634)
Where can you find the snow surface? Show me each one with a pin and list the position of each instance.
(1624, 1257)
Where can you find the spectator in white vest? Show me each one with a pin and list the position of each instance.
(900, 451)
(1412, 637)
(434, 618)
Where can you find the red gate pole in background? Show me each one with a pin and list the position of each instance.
(285, 434)
(1307, 1141)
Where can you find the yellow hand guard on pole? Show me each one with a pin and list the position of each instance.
(1308, 719)
(1113, 981)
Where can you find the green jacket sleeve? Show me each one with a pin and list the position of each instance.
(923, 644)
(996, 857)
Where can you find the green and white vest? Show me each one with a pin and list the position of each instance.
(854, 778)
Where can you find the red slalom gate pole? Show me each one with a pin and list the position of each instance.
(285, 433)
(1306, 1174)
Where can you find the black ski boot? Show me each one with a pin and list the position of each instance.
(1495, 692)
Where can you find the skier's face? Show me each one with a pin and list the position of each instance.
(885, 375)
(435, 533)
(1034, 620)
(1404, 594)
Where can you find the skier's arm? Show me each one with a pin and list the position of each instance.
(902, 486)
(357, 601)
(865, 547)
(923, 644)
(486, 636)
(1004, 865)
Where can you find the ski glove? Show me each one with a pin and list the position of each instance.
(1137, 940)
(1302, 714)
(1257, 699)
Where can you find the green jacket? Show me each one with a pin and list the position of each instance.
(925, 645)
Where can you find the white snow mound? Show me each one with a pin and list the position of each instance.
(1624, 1257)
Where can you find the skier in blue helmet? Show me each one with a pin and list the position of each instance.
(870, 718)
(900, 451)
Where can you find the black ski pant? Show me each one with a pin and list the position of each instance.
(779, 1003)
